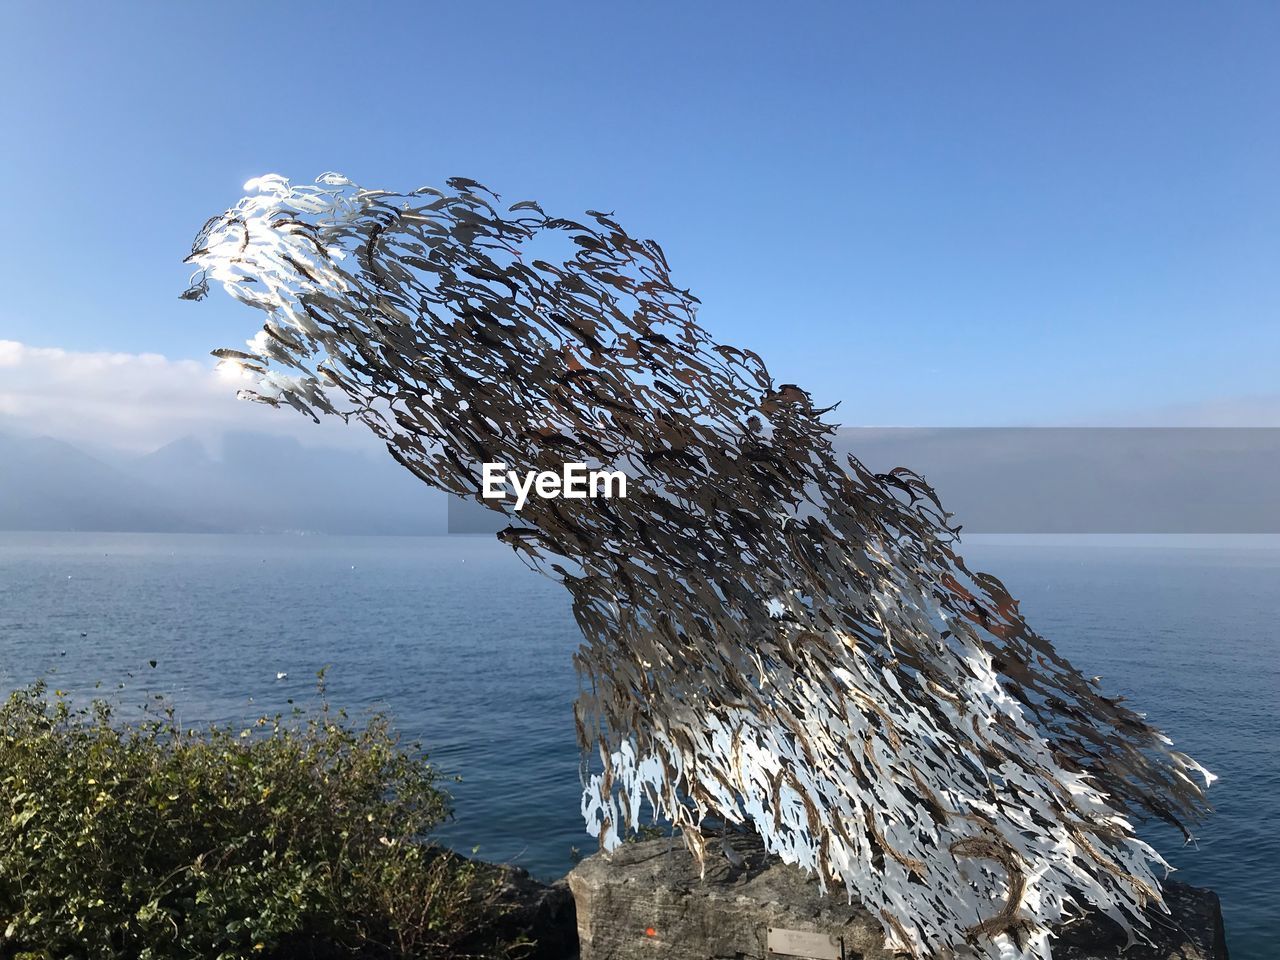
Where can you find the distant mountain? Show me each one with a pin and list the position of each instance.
(46, 484)
(258, 483)
(1089, 479)
(995, 480)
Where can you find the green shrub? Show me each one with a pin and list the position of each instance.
(298, 837)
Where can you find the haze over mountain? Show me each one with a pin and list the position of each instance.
(255, 483)
(102, 440)
(1010, 480)
(1067, 480)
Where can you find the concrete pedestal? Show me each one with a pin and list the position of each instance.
(646, 901)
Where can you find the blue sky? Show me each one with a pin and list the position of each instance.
(936, 213)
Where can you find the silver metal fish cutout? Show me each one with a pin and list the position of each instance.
(773, 637)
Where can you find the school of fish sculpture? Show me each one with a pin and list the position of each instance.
(774, 637)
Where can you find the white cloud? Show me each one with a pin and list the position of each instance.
(1259, 410)
(1256, 410)
(139, 401)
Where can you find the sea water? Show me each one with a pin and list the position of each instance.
(470, 652)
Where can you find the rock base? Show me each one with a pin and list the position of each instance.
(647, 900)
(540, 913)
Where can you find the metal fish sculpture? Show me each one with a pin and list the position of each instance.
(774, 637)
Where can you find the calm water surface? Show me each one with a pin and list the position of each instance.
(469, 651)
